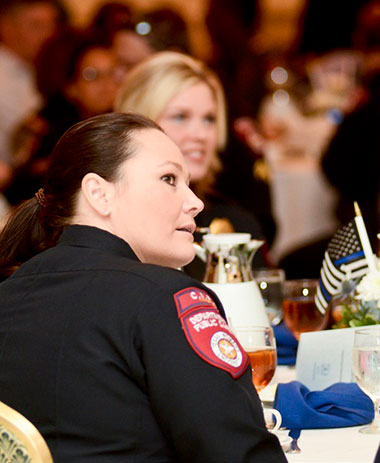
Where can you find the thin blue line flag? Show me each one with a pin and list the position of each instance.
(344, 259)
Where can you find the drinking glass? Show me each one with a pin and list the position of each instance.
(271, 285)
(300, 313)
(260, 344)
(366, 369)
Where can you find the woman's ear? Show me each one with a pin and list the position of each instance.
(98, 193)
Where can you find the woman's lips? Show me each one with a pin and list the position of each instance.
(194, 155)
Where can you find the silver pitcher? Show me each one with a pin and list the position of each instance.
(228, 258)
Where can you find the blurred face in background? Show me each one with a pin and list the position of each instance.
(129, 48)
(94, 88)
(190, 120)
(26, 28)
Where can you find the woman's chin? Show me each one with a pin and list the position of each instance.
(185, 260)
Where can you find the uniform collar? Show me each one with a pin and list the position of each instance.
(92, 237)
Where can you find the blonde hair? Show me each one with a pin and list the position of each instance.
(150, 86)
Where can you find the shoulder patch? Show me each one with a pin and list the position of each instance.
(208, 333)
(189, 298)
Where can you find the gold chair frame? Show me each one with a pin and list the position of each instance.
(20, 441)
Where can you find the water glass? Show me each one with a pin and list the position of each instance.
(366, 369)
(271, 285)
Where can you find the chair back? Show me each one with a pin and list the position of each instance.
(20, 441)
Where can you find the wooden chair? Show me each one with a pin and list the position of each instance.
(20, 441)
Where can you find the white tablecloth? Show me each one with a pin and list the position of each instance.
(326, 445)
(336, 445)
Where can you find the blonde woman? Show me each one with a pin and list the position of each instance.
(186, 99)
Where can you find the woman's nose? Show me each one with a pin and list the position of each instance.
(193, 204)
(198, 129)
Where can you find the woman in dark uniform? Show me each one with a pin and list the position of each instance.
(110, 351)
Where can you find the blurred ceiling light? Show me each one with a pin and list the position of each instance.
(143, 28)
(281, 97)
(279, 75)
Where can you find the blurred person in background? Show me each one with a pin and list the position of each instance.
(25, 26)
(351, 162)
(130, 48)
(186, 99)
(231, 27)
(241, 68)
(366, 37)
(245, 175)
(351, 159)
(78, 77)
(156, 30)
(164, 29)
(108, 19)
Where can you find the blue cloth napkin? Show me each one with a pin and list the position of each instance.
(286, 345)
(340, 405)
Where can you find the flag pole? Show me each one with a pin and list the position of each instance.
(363, 235)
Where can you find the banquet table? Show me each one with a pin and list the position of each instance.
(328, 445)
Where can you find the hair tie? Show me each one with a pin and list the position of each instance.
(40, 196)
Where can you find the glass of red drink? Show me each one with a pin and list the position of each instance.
(300, 313)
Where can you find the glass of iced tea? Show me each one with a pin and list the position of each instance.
(260, 344)
(299, 311)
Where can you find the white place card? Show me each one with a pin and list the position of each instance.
(325, 357)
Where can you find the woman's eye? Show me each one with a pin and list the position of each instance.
(170, 179)
(179, 117)
(210, 119)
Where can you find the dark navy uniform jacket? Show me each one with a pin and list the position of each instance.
(118, 361)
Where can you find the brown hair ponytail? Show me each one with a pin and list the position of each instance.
(22, 237)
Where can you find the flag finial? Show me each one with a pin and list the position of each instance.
(358, 212)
